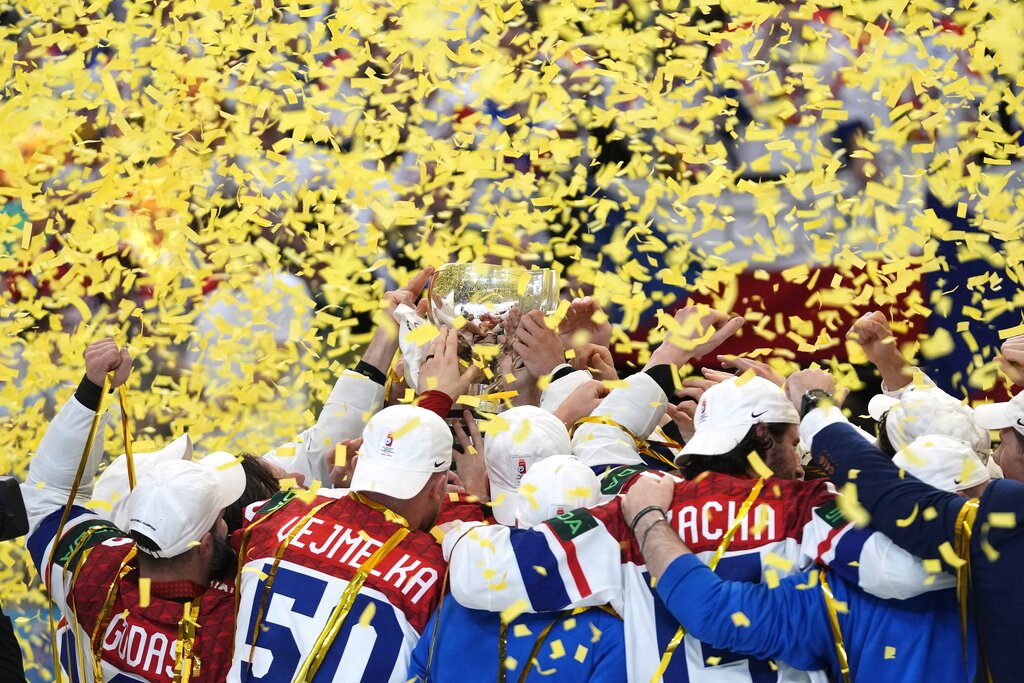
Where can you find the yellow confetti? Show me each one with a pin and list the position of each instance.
(144, 586)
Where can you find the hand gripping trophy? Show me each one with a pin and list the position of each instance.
(485, 302)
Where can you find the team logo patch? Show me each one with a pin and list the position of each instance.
(81, 538)
(831, 514)
(572, 524)
(617, 478)
(276, 502)
(387, 448)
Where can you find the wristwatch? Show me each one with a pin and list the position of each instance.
(812, 399)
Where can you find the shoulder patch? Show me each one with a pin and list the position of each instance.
(572, 524)
(615, 479)
(831, 514)
(82, 537)
(276, 502)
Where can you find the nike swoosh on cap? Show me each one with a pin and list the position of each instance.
(757, 415)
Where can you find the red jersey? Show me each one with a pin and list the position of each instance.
(95, 581)
(285, 605)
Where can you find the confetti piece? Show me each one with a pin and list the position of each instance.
(144, 585)
(510, 613)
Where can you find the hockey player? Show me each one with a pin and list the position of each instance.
(586, 557)
(346, 583)
(993, 551)
(799, 619)
(174, 546)
(568, 646)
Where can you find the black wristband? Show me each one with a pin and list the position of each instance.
(562, 372)
(662, 374)
(88, 394)
(371, 372)
(639, 516)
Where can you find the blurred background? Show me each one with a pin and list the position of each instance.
(231, 186)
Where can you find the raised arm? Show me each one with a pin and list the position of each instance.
(357, 394)
(51, 473)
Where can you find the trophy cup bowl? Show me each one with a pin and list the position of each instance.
(487, 301)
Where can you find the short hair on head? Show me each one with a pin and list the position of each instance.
(260, 484)
(884, 442)
(735, 462)
(144, 542)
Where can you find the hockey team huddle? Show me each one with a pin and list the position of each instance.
(730, 527)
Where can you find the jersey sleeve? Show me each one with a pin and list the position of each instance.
(572, 560)
(51, 472)
(638, 406)
(785, 622)
(864, 556)
(915, 516)
(83, 531)
(353, 400)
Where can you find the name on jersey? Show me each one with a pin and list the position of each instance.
(709, 521)
(142, 650)
(348, 547)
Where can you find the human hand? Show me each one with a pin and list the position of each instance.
(597, 359)
(694, 332)
(682, 416)
(873, 334)
(440, 369)
(647, 490)
(469, 460)
(742, 364)
(538, 345)
(1011, 359)
(581, 402)
(585, 323)
(104, 356)
(802, 381)
(410, 293)
(343, 463)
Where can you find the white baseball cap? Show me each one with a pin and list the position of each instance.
(1002, 415)
(178, 501)
(727, 411)
(112, 486)
(516, 440)
(927, 411)
(555, 485)
(403, 446)
(944, 462)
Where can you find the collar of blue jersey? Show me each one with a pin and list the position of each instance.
(388, 513)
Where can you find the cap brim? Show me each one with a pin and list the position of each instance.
(230, 476)
(879, 405)
(504, 504)
(715, 441)
(376, 477)
(994, 416)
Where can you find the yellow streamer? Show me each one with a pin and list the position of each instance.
(741, 515)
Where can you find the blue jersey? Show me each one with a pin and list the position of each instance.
(886, 640)
(584, 647)
(894, 499)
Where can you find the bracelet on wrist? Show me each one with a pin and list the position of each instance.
(647, 532)
(639, 516)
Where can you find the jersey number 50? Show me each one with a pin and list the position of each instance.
(360, 653)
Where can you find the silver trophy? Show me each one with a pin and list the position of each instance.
(485, 302)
